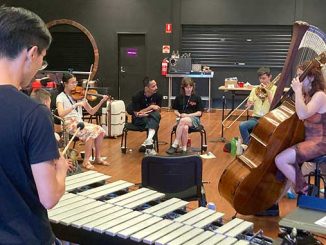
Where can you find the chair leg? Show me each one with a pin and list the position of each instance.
(156, 141)
(123, 145)
(172, 132)
(205, 140)
(316, 174)
(201, 142)
(202, 202)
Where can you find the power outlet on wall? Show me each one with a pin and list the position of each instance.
(165, 97)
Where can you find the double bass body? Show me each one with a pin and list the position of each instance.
(249, 183)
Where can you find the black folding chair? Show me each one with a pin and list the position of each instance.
(179, 177)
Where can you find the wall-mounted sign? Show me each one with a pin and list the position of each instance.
(166, 49)
(168, 28)
(132, 52)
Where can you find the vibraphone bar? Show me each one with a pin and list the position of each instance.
(97, 216)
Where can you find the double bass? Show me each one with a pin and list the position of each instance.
(249, 183)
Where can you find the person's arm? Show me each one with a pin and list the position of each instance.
(270, 95)
(154, 107)
(92, 110)
(199, 109)
(50, 179)
(305, 111)
(47, 166)
(136, 105)
(64, 112)
(250, 101)
(176, 107)
(314, 106)
(194, 114)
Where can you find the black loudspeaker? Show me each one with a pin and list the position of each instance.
(180, 65)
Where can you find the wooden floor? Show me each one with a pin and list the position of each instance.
(127, 166)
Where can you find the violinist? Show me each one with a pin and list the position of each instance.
(310, 106)
(260, 98)
(71, 110)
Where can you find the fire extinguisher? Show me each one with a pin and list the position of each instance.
(164, 69)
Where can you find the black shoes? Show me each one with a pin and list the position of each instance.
(171, 150)
(272, 211)
(142, 148)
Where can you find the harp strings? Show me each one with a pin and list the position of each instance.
(313, 43)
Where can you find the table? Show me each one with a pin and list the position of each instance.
(234, 92)
(205, 75)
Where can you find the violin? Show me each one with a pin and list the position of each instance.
(79, 93)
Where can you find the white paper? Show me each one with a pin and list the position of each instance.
(209, 155)
(321, 222)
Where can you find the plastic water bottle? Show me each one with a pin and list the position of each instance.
(239, 147)
(234, 147)
(188, 143)
(211, 206)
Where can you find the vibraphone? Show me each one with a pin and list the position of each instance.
(98, 216)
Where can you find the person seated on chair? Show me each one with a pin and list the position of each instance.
(146, 105)
(310, 106)
(261, 103)
(71, 111)
(44, 97)
(188, 108)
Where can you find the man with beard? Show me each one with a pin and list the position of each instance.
(146, 105)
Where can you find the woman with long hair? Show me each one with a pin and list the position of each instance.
(71, 111)
(310, 106)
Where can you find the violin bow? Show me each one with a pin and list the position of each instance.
(87, 83)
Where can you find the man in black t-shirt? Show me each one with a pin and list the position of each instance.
(32, 172)
(146, 105)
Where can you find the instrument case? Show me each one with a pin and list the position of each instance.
(115, 118)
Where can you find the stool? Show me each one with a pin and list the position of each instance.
(317, 174)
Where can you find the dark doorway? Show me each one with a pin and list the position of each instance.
(132, 64)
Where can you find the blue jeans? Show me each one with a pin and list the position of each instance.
(246, 128)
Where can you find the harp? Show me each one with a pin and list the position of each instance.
(307, 42)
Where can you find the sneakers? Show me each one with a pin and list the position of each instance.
(184, 152)
(291, 195)
(244, 146)
(142, 148)
(171, 150)
(150, 151)
(272, 211)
